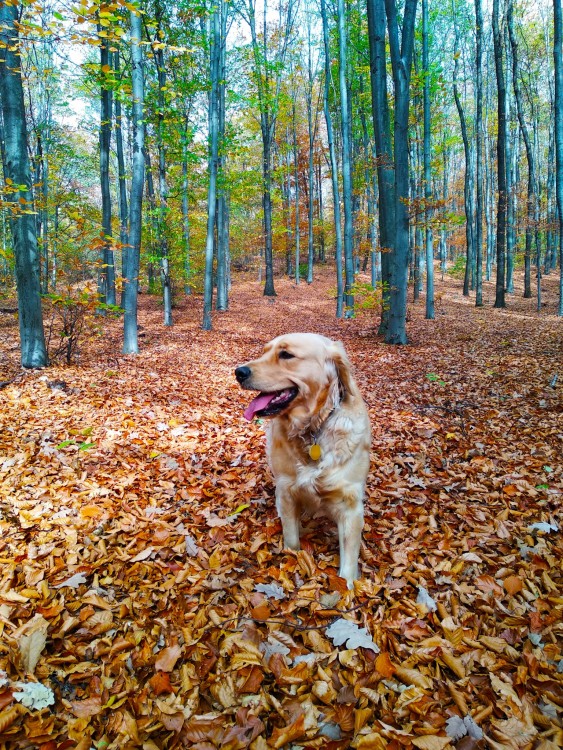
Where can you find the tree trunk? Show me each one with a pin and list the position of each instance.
(468, 179)
(186, 213)
(215, 65)
(107, 275)
(429, 251)
(401, 61)
(383, 147)
(346, 127)
(121, 175)
(333, 167)
(532, 204)
(558, 63)
(132, 252)
(268, 80)
(297, 193)
(17, 169)
(479, 154)
(311, 133)
(501, 159)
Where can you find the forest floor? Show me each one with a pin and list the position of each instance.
(146, 600)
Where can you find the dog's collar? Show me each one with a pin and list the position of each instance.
(315, 451)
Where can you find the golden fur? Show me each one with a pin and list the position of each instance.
(327, 410)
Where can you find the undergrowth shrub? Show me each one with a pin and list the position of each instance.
(72, 319)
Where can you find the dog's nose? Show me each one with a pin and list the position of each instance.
(242, 373)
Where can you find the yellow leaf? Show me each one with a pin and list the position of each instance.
(431, 742)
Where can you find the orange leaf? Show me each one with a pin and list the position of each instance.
(384, 665)
(513, 584)
(167, 658)
(261, 612)
(284, 735)
(160, 683)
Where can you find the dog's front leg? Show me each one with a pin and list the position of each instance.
(289, 514)
(350, 523)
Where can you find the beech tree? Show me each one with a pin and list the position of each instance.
(558, 102)
(18, 190)
(498, 43)
(269, 59)
(401, 52)
(132, 251)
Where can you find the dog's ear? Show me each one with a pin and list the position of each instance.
(337, 354)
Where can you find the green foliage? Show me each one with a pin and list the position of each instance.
(368, 298)
(457, 270)
(433, 378)
(73, 318)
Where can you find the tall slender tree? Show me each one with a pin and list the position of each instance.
(333, 165)
(469, 177)
(532, 217)
(107, 275)
(498, 44)
(383, 147)
(213, 148)
(558, 65)
(427, 172)
(267, 73)
(157, 48)
(132, 251)
(479, 153)
(18, 190)
(121, 172)
(346, 130)
(401, 50)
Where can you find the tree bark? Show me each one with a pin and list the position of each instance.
(121, 174)
(469, 183)
(213, 166)
(479, 154)
(346, 127)
(132, 252)
(401, 62)
(501, 159)
(532, 204)
(558, 64)
(333, 167)
(107, 275)
(429, 251)
(22, 216)
(383, 148)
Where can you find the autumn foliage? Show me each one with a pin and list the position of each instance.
(144, 593)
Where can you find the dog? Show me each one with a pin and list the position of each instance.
(319, 437)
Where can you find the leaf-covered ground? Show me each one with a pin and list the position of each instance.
(143, 584)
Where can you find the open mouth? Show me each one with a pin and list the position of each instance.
(270, 404)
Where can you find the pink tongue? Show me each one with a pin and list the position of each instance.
(257, 404)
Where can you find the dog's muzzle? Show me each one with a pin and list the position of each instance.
(242, 373)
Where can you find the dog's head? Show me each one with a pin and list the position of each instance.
(302, 375)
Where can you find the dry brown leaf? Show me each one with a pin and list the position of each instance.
(431, 742)
(167, 658)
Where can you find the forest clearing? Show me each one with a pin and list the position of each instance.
(143, 581)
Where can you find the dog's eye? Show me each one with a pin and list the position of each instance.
(286, 355)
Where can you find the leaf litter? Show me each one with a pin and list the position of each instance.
(146, 599)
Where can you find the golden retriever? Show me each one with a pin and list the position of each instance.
(318, 442)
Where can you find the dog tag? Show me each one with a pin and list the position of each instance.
(315, 451)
